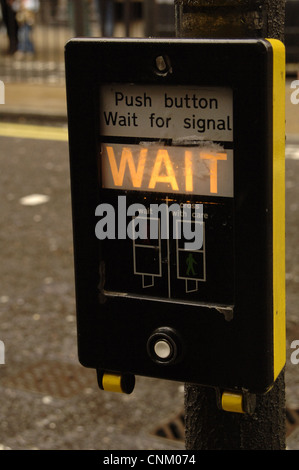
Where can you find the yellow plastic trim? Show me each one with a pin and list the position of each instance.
(112, 383)
(232, 402)
(279, 324)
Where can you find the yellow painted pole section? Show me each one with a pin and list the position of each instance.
(279, 323)
(28, 131)
(232, 402)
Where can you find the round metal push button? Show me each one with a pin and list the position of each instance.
(163, 349)
(163, 346)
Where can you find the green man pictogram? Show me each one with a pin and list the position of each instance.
(190, 261)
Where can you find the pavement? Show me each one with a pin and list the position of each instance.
(29, 101)
(49, 401)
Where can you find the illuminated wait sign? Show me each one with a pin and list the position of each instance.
(205, 170)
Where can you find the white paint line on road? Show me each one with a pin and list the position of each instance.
(34, 199)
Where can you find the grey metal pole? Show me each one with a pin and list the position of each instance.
(207, 426)
(230, 18)
(127, 17)
(79, 23)
(150, 17)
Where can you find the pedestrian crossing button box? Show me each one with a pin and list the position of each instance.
(177, 182)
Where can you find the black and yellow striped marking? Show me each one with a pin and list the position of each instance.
(232, 402)
(113, 382)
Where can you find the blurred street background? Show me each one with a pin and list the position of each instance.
(47, 400)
